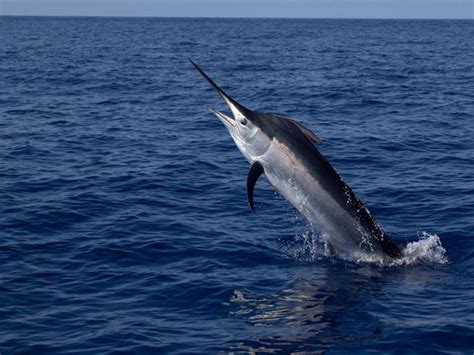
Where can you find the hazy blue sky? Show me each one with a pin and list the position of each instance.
(245, 8)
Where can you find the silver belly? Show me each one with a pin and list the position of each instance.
(294, 182)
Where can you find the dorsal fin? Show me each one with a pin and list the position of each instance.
(308, 133)
(254, 173)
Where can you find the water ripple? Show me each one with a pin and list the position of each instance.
(125, 224)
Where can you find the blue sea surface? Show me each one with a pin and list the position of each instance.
(124, 224)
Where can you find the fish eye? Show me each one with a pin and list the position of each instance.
(243, 121)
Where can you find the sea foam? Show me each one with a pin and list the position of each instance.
(309, 246)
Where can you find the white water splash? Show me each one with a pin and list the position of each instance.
(306, 246)
(427, 250)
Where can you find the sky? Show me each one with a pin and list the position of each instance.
(423, 9)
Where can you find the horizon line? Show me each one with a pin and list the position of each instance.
(249, 17)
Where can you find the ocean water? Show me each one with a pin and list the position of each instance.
(124, 224)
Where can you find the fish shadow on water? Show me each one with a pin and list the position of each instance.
(336, 306)
(313, 315)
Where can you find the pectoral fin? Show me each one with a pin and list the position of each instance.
(254, 173)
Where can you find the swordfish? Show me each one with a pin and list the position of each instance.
(284, 151)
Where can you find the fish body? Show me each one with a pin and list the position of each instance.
(285, 152)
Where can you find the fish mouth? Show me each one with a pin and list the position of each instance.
(226, 120)
(237, 109)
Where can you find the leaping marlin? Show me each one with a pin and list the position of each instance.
(284, 151)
